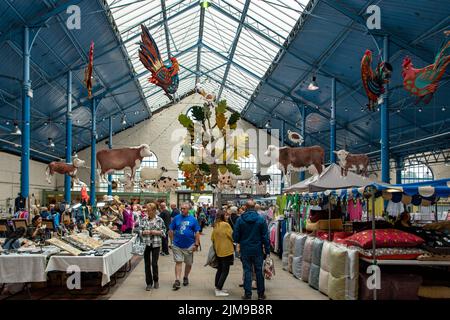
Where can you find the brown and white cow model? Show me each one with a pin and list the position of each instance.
(63, 168)
(358, 162)
(110, 160)
(165, 184)
(297, 159)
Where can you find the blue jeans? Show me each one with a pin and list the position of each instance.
(250, 263)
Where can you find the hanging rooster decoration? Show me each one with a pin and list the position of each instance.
(374, 80)
(424, 82)
(88, 71)
(163, 75)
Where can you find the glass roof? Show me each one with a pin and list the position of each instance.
(231, 62)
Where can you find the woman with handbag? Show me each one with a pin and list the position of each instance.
(222, 239)
(152, 230)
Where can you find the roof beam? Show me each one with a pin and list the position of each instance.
(234, 46)
(166, 26)
(237, 65)
(425, 55)
(200, 41)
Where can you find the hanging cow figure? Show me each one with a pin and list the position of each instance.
(358, 162)
(111, 160)
(64, 168)
(150, 174)
(297, 159)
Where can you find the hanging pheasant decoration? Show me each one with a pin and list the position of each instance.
(374, 80)
(424, 82)
(88, 71)
(163, 75)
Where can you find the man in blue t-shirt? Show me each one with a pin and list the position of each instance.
(184, 233)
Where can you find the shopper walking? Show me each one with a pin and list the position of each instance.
(185, 236)
(152, 229)
(165, 215)
(251, 233)
(222, 239)
(175, 210)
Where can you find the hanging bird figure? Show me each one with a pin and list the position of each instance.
(88, 71)
(374, 80)
(424, 82)
(163, 75)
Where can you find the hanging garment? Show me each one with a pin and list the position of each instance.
(354, 209)
(394, 209)
(379, 207)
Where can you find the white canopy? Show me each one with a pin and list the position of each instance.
(330, 178)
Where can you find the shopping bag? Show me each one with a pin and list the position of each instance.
(138, 247)
(269, 268)
(211, 259)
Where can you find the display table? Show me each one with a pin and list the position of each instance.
(408, 262)
(24, 267)
(108, 264)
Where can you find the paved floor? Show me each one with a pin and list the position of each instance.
(201, 287)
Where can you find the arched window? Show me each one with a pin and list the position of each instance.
(416, 172)
(275, 184)
(248, 163)
(180, 173)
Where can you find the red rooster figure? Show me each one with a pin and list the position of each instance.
(374, 80)
(88, 71)
(164, 76)
(424, 82)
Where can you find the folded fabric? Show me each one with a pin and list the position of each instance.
(314, 271)
(324, 267)
(434, 292)
(299, 245)
(297, 267)
(316, 215)
(391, 253)
(433, 257)
(290, 257)
(307, 256)
(384, 238)
(333, 224)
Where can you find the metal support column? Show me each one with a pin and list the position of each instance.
(68, 136)
(385, 123)
(110, 147)
(93, 149)
(26, 101)
(399, 162)
(333, 122)
(281, 134)
(303, 133)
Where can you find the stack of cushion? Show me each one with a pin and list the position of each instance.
(351, 273)
(286, 244)
(324, 267)
(291, 250)
(298, 255)
(314, 271)
(336, 279)
(307, 256)
(390, 244)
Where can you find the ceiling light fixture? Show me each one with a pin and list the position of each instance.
(268, 125)
(205, 4)
(420, 109)
(124, 121)
(313, 84)
(51, 144)
(443, 108)
(17, 131)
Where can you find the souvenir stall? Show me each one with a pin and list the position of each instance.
(415, 260)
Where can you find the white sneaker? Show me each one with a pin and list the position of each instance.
(221, 293)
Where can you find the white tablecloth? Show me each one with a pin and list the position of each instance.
(22, 268)
(108, 264)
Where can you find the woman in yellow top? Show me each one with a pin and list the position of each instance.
(223, 245)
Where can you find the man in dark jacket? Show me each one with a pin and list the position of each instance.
(165, 215)
(251, 233)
